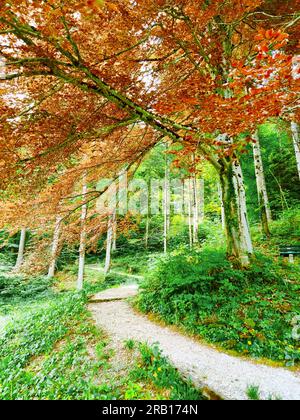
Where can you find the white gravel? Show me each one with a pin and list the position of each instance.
(227, 376)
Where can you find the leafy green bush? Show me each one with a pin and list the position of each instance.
(249, 311)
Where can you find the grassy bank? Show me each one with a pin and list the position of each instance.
(52, 350)
(250, 311)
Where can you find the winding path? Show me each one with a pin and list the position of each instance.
(227, 376)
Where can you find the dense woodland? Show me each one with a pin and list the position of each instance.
(154, 142)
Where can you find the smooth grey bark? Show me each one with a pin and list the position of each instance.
(195, 207)
(238, 237)
(263, 199)
(109, 242)
(201, 200)
(166, 205)
(296, 141)
(222, 206)
(242, 206)
(82, 247)
(20, 258)
(147, 231)
(190, 215)
(115, 227)
(54, 248)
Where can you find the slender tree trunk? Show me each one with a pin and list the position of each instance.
(115, 228)
(195, 210)
(54, 248)
(222, 206)
(190, 216)
(239, 243)
(109, 243)
(202, 201)
(148, 216)
(263, 199)
(296, 140)
(147, 231)
(82, 247)
(20, 257)
(166, 206)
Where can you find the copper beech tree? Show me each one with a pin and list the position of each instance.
(90, 86)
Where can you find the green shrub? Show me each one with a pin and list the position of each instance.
(249, 311)
(14, 289)
(67, 256)
(6, 260)
(285, 230)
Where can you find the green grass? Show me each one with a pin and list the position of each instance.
(250, 312)
(253, 393)
(34, 338)
(154, 369)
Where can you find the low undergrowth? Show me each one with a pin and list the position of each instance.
(16, 291)
(252, 312)
(54, 351)
(153, 369)
(29, 366)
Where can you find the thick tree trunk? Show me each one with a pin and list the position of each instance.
(109, 244)
(263, 199)
(20, 257)
(82, 247)
(239, 243)
(242, 205)
(296, 140)
(54, 249)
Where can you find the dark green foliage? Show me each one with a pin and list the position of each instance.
(6, 260)
(280, 170)
(68, 255)
(17, 289)
(287, 228)
(248, 311)
(285, 231)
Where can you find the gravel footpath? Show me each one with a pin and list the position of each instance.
(227, 376)
(117, 293)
